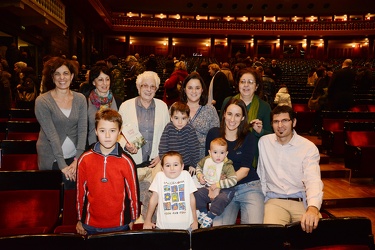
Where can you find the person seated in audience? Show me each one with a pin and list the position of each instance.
(283, 97)
(62, 115)
(340, 89)
(289, 171)
(173, 195)
(172, 86)
(107, 185)
(312, 77)
(179, 135)
(219, 87)
(216, 190)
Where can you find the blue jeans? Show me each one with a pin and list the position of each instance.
(249, 199)
(95, 230)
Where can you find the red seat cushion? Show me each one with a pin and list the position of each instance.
(361, 138)
(19, 162)
(29, 210)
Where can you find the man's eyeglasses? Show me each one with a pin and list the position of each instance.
(283, 122)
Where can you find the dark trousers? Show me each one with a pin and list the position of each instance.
(68, 184)
(218, 204)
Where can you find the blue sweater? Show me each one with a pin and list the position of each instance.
(184, 141)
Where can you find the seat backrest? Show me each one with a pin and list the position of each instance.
(69, 215)
(359, 133)
(141, 240)
(352, 231)
(22, 115)
(30, 201)
(22, 130)
(18, 155)
(252, 236)
(44, 242)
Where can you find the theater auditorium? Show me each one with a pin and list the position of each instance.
(297, 48)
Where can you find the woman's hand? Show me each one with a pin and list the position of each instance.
(131, 148)
(70, 171)
(257, 125)
(154, 161)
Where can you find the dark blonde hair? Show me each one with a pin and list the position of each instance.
(171, 153)
(180, 107)
(219, 142)
(110, 115)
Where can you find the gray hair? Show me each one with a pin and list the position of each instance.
(146, 76)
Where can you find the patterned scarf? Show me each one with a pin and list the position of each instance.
(101, 102)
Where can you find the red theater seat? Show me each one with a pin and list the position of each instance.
(30, 202)
(69, 214)
(22, 130)
(360, 148)
(18, 155)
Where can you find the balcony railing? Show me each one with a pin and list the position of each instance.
(53, 7)
(124, 22)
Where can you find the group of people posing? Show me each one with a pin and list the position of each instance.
(248, 159)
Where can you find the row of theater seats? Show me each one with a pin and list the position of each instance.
(19, 131)
(347, 134)
(37, 213)
(340, 233)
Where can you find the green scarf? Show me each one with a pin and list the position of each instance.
(252, 114)
(254, 108)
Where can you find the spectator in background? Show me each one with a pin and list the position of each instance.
(340, 89)
(276, 71)
(27, 89)
(169, 66)
(203, 72)
(269, 89)
(364, 79)
(283, 97)
(151, 63)
(312, 77)
(219, 87)
(5, 90)
(135, 68)
(226, 70)
(76, 63)
(117, 77)
(172, 86)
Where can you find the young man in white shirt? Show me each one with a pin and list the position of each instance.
(289, 171)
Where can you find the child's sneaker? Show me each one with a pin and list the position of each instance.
(207, 222)
(201, 216)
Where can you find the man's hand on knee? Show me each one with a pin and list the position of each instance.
(310, 219)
